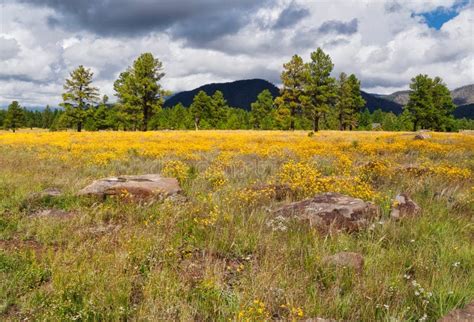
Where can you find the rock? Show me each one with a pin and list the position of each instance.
(137, 187)
(52, 213)
(50, 192)
(466, 314)
(330, 211)
(346, 259)
(403, 207)
(422, 136)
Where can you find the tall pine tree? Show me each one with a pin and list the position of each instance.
(139, 92)
(79, 95)
(293, 78)
(319, 89)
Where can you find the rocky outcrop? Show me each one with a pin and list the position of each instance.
(136, 187)
(403, 207)
(332, 211)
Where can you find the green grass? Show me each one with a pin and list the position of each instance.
(115, 261)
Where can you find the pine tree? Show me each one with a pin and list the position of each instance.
(47, 118)
(216, 113)
(199, 107)
(139, 92)
(261, 109)
(15, 117)
(430, 103)
(293, 78)
(319, 89)
(357, 102)
(344, 97)
(420, 103)
(79, 95)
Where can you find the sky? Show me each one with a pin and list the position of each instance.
(385, 43)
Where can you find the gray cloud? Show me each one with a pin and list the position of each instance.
(339, 27)
(290, 16)
(194, 21)
(9, 48)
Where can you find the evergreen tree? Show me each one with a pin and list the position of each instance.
(365, 119)
(319, 89)
(430, 103)
(139, 92)
(344, 97)
(357, 102)
(15, 117)
(79, 95)
(262, 109)
(217, 110)
(293, 78)
(47, 118)
(199, 107)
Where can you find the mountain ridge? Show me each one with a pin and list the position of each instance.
(242, 93)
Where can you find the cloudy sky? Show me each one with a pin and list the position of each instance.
(384, 43)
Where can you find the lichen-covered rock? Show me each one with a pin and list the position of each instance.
(136, 187)
(346, 259)
(403, 207)
(332, 211)
(466, 314)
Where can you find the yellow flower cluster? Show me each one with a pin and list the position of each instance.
(176, 169)
(255, 311)
(302, 178)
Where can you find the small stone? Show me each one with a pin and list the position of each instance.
(52, 213)
(422, 136)
(346, 259)
(403, 207)
(332, 211)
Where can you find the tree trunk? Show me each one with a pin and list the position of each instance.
(196, 123)
(79, 126)
(13, 129)
(341, 126)
(415, 125)
(316, 124)
(145, 119)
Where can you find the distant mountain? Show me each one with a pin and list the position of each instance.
(463, 95)
(239, 94)
(242, 93)
(374, 101)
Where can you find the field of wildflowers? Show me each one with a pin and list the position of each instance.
(219, 254)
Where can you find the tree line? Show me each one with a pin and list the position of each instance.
(310, 98)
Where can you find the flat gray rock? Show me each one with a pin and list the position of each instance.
(138, 187)
(332, 211)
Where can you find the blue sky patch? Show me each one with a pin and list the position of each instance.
(436, 18)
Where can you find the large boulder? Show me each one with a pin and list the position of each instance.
(403, 207)
(137, 187)
(345, 259)
(332, 211)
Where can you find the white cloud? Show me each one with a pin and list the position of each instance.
(390, 45)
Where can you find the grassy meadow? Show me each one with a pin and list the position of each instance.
(217, 253)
